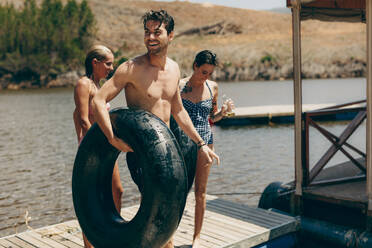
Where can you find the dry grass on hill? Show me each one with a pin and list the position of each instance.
(263, 33)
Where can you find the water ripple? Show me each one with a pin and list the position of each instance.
(38, 147)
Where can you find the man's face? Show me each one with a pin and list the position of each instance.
(156, 37)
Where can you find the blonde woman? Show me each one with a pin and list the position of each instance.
(98, 64)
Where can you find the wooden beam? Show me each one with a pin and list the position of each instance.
(350, 129)
(338, 180)
(369, 113)
(334, 140)
(331, 4)
(297, 86)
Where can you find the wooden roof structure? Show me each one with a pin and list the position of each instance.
(328, 10)
(332, 10)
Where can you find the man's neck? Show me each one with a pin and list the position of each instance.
(158, 60)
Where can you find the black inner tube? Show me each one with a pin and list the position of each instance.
(157, 167)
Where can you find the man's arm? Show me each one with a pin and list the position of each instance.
(101, 115)
(183, 120)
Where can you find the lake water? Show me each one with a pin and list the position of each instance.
(38, 146)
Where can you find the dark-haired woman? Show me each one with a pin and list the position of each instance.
(199, 97)
(98, 64)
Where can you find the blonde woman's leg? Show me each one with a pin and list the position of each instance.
(117, 188)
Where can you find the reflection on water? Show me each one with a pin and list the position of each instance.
(38, 146)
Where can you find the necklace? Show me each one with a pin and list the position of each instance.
(187, 88)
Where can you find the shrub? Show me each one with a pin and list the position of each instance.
(44, 40)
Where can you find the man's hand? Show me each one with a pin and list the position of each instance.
(120, 145)
(208, 155)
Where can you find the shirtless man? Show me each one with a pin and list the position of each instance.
(151, 83)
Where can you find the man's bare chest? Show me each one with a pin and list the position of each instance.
(162, 87)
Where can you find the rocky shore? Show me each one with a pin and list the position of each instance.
(68, 79)
(262, 71)
(276, 71)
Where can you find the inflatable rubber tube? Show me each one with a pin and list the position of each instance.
(189, 151)
(163, 180)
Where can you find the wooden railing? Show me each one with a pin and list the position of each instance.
(339, 143)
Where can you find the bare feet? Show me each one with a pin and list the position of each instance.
(196, 242)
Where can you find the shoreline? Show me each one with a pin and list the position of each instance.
(263, 71)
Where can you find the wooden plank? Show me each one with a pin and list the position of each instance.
(251, 218)
(245, 227)
(184, 229)
(297, 91)
(285, 114)
(344, 169)
(66, 238)
(47, 237)
(369, 114)
(77, 240)
(250, 214)
(250, 241)
(72, 229)
(275, 230)
(244, 209)
(349, 130)
(185, 232)
(210, 232)
(225, 223)
(346, 192)
(229, 225)
(28, 238)
(5, 243)
(38, 235)
(20, 242)
(273, 110)
(215, 232)
(66, 242)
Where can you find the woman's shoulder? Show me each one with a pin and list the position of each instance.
(213, 85)
(84, 81)
(83, 85)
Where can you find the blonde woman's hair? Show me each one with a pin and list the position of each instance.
(98, 52)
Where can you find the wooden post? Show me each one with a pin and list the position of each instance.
(369, 112)
(297, 86)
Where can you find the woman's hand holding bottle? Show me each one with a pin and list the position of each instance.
(228, 106)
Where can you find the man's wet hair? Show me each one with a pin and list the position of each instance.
(162, 16)
(205, 57)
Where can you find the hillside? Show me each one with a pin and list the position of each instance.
(261, 50)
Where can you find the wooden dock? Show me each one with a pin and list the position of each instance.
(226, 224)
(278, 114)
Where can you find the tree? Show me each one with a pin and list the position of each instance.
(44, 40)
